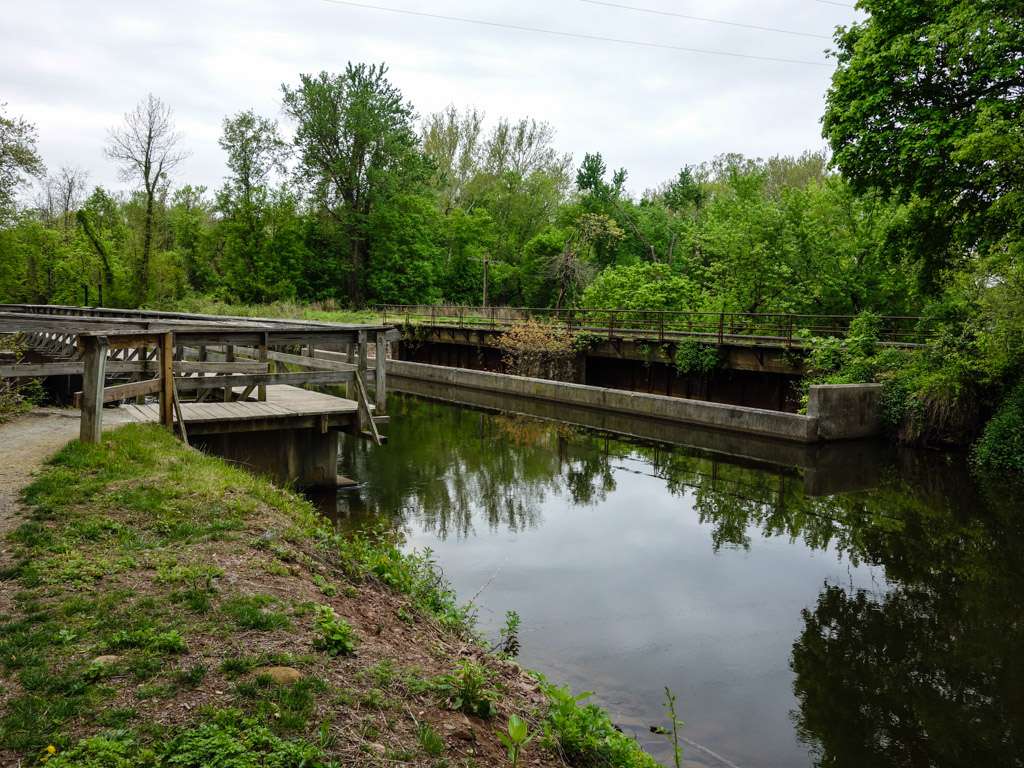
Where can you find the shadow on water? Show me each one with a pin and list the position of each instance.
(860, 606)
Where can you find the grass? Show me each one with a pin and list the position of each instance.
(320, 311)
(155, 557)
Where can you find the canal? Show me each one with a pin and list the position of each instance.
(880, 626)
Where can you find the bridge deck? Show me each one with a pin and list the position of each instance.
(286, 407)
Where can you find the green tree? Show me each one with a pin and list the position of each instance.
(255, 152)
(19, 159)
(926, 103)
(356, 145)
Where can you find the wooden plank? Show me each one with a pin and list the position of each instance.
(262, 379)
(67, 368)
(125, 391)
(182, 368)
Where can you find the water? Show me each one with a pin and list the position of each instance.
(877, 622)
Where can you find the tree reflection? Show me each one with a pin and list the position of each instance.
(450, 468)
(928, 671)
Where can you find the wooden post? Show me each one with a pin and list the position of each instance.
(141, 357)
(361, 370)
(229, 357)
(93, 378)
(380, 379)
(261, 390)
(167, 379)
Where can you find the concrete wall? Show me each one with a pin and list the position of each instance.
(754, 421)
(787, 426)
(846, 411)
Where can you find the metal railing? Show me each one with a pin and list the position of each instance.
(752, 328)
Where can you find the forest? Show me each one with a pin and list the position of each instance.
(352, 197)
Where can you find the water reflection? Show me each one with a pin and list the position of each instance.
(880, 627)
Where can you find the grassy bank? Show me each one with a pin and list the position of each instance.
(163, 608)
(321, 311)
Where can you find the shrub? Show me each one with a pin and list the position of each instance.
(468, 689)
(336, 635)
(1001, 446)
(540, 350)
(585, 735)
(693, 357)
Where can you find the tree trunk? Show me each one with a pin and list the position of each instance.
(147, 244)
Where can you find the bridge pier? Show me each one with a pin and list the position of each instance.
(306, 457)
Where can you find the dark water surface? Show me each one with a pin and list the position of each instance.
(843, 609)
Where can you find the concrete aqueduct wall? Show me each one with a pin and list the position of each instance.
(834, 412)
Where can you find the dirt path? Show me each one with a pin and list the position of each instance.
(25, 444)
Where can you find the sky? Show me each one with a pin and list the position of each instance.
(74, 68)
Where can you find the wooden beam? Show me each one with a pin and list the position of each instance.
(125, 391)
(190, 384)
(33, 370)
(91, 429)
(181, 368)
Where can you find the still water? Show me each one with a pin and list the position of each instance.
(847, 612)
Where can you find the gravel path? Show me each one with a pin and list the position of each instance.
(25, 444)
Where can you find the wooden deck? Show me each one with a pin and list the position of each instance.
(286, 407)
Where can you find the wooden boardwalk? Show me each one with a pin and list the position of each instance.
(286, 407)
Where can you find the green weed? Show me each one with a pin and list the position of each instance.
(336, 635)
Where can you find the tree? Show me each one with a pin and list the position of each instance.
(19, 158)
(147, 148)
(61, 196)
(255, 152)
(926, 103)
(452, 142)
(356, 145)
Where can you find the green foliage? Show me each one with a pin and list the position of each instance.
(515, 737)
(676, 724)
(335, 635)
(694, 357)
(585, 735)
(509, 642)
(1000, 448)
(469, 689)
(924, 103)
(255, 612)
(431, 742)
(641, 286)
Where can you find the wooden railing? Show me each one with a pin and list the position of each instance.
(168, 353)
(751, 328)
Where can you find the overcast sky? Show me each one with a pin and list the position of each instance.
(73, 68)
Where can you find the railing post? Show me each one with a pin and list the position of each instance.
(611, 325)
(261, 390)
(789, 332)
(167, 379)
(361, 373)
(95, 354)
(661, 326)
(380, 376)
(721, 328)
(229, 357)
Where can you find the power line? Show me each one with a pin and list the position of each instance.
(575, 35)
(704, 18)
(834, 2)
